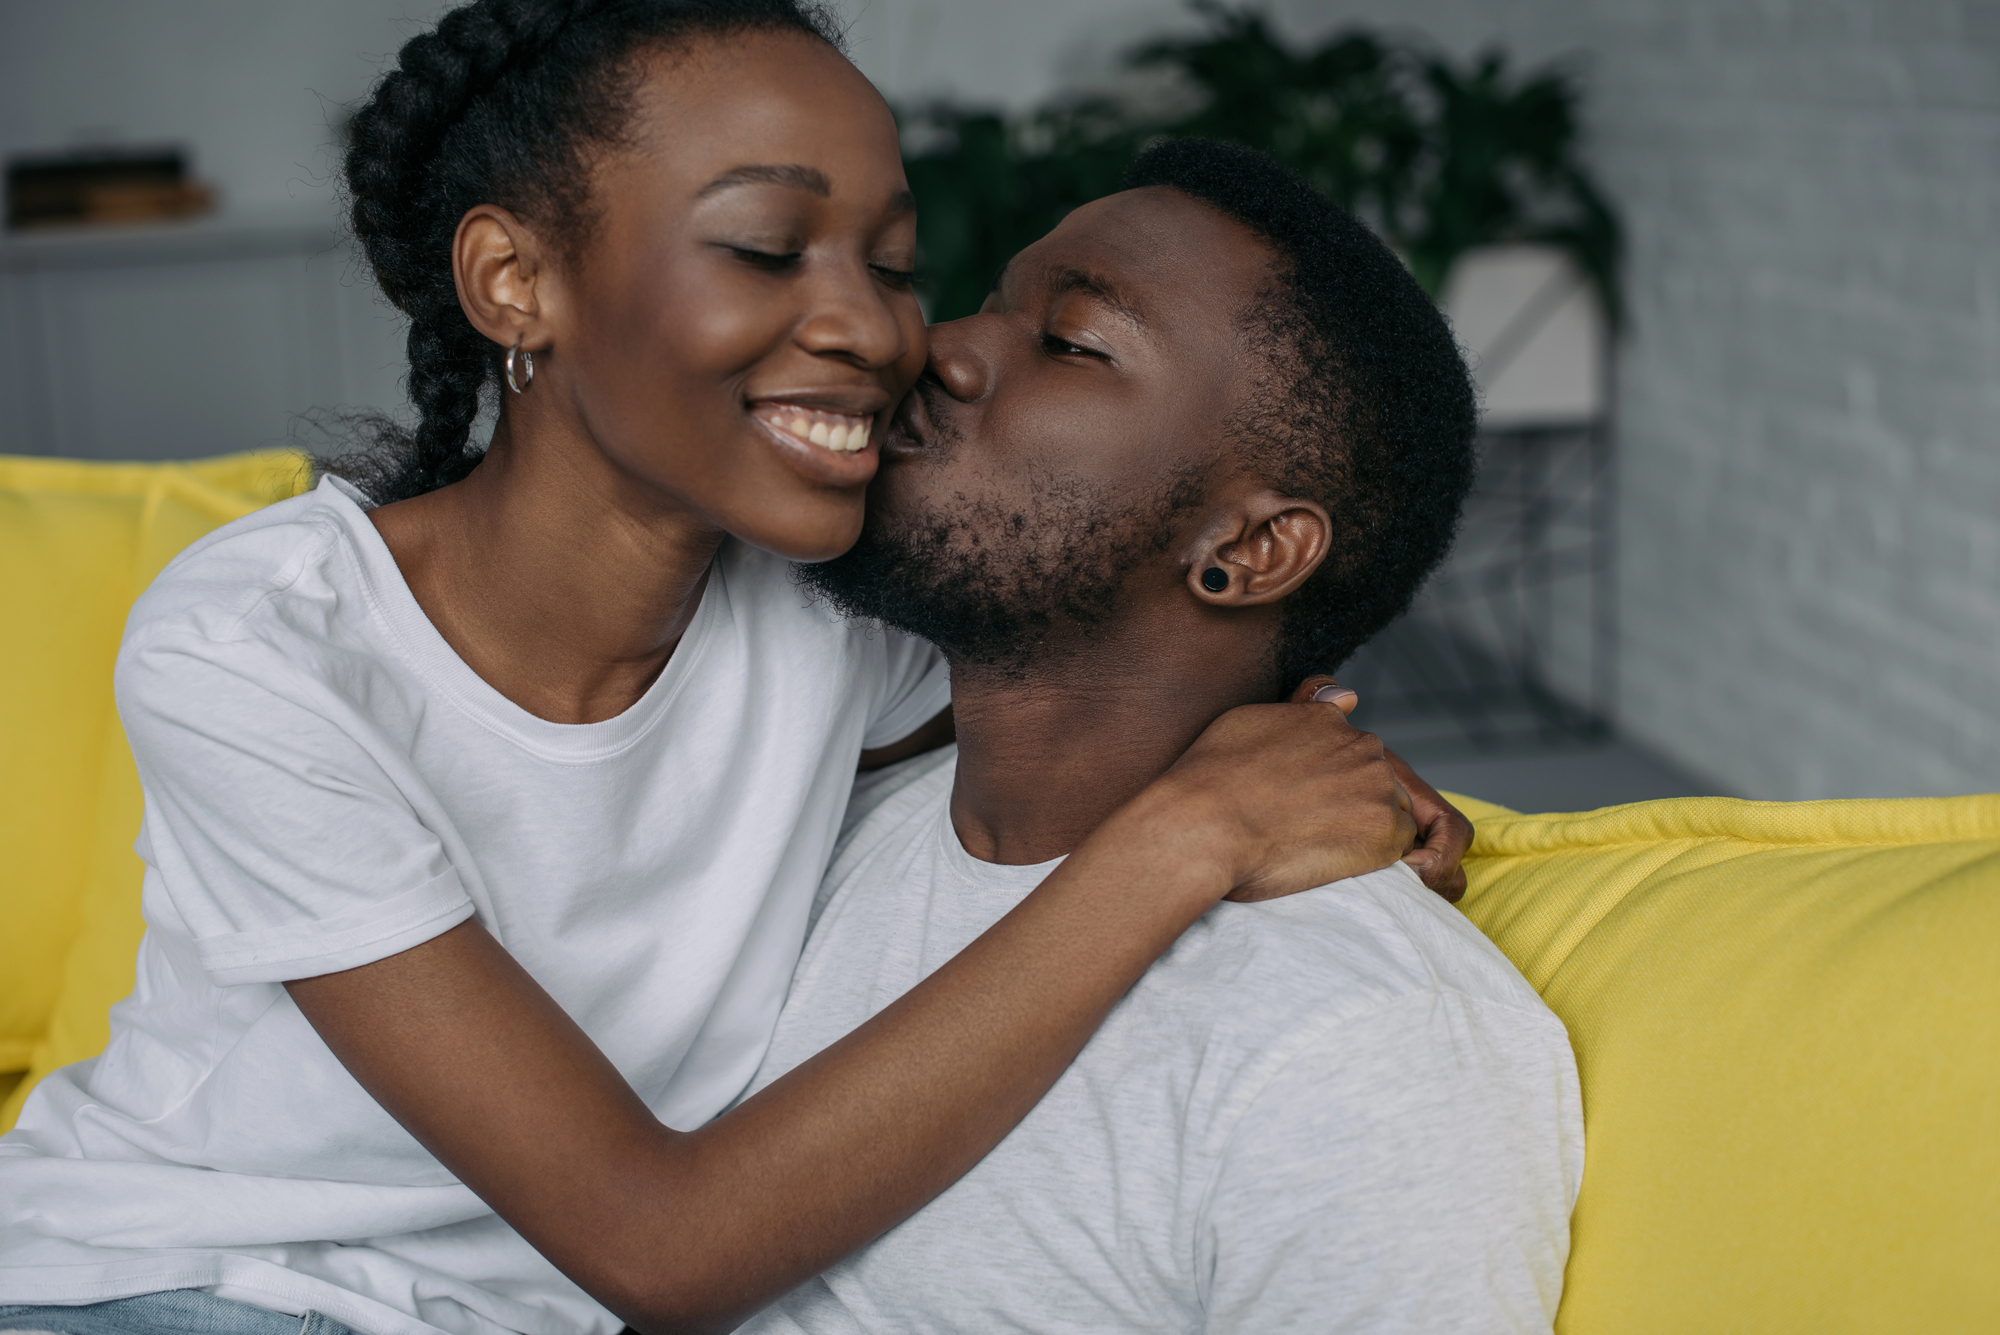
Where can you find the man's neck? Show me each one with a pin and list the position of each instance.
(1045, 757)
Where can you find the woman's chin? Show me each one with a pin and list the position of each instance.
(808, 538)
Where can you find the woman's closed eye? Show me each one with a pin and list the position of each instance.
(780, 261)
(772, 261)
(900, 279)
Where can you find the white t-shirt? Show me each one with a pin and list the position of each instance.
(327, 784)
(1340, 1111)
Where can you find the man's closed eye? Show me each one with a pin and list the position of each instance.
(1062, 347)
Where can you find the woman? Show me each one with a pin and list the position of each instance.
(482, 823)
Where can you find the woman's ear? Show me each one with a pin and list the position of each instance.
(1258, 549)
(497, 263)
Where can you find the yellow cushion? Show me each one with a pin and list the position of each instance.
(65, 582)
(1787, 1021)
(78, 542)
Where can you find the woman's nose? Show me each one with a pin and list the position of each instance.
(856, 322)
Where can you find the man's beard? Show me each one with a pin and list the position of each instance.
(1000, 589)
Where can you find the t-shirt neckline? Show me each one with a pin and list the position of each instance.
(996, 877)
(417, 641)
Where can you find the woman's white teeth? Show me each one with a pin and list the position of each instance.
(833, 431)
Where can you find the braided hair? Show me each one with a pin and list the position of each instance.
(501, 103)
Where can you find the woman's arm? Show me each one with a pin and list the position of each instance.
(695, 1230)
(1443, 833)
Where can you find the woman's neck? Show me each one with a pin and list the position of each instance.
(555, 578)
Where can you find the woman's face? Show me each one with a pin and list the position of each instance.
(740, 322)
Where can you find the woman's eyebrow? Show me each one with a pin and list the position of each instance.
(795, 176)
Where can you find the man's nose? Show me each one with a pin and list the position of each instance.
(958, 361)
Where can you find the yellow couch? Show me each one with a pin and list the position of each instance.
(78, 542)
(1787, 1016)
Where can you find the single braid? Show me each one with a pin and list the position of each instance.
(498, 104)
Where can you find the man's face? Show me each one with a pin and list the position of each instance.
(1062, 439)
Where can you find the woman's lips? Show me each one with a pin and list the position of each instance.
(840, 433)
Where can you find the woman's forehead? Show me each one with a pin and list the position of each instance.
(759, 98)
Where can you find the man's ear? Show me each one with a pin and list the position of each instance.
(497, 263)
(1257, 549)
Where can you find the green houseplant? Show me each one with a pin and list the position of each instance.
(1439, 157)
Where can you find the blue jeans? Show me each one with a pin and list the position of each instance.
(175, 1312)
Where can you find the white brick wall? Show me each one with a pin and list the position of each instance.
(1810, 411)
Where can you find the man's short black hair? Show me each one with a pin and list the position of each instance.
(1367, 407)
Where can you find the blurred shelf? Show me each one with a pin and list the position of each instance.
(222, 235)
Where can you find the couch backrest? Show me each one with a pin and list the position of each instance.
(78, 542)
(1787, 1021)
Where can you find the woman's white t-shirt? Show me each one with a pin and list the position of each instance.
(328, 784)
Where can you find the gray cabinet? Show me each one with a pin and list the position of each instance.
(183, 340)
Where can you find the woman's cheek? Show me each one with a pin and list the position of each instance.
(918, 340)
(704, 315)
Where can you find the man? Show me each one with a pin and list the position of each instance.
(1204, 439)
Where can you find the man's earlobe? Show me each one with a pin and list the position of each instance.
(1214, 581)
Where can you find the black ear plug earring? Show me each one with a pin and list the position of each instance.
(1215, 579)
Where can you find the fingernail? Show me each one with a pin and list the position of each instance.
(1330, 692)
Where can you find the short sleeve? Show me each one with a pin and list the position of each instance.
(917, 689)
(274, 826)
(1414, 1171)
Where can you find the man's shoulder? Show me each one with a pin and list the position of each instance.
(1312, 1018)
(1338, 953)
(888, 809)
(887, 799)
(1389, 1092)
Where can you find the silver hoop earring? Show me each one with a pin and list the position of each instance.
(527, 366)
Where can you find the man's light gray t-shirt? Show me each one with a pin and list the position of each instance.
(1340, 1111)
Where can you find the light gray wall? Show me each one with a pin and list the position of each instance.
(1010, 53)
(1810, 414)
